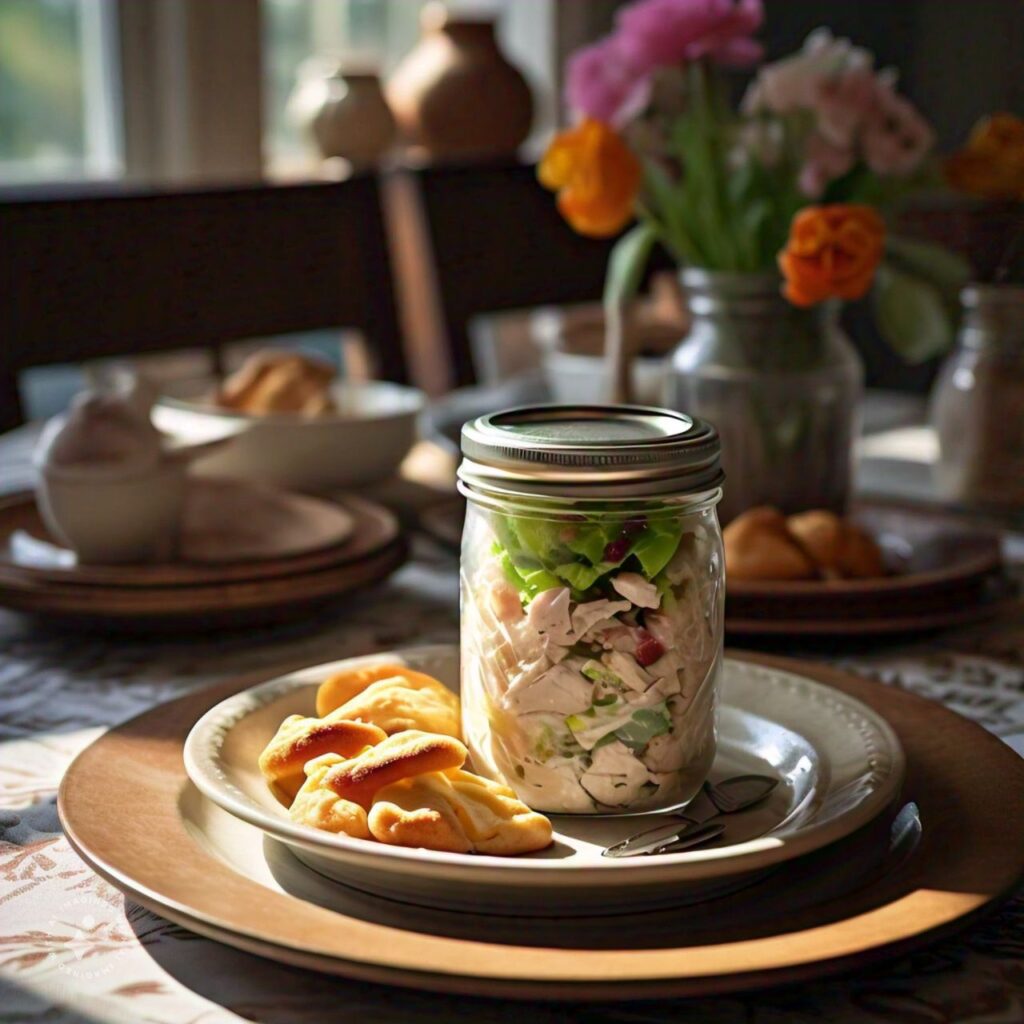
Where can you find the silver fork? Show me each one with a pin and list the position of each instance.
(684, 831)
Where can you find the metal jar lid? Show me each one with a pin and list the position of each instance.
(590, 451)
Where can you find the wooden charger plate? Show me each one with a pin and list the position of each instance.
(374, 549)
(124, 805)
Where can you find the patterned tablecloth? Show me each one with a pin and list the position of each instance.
(72, 949)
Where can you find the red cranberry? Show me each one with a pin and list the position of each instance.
(648, 648)
(616, 550)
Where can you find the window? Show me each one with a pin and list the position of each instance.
(57, 90)
(104, 88)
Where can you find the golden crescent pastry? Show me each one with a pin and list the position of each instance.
(299, 740)
(343, 686)
(838, 547)
(759, 546)
(459, 812)
(318, 806)
(398, 757)
(394, 706)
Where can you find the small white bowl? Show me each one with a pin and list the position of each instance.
(114, 518)
(363, 442)
(575, 378)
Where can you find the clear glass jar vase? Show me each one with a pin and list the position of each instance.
(977, 405)
(781, 384)
(592, 605)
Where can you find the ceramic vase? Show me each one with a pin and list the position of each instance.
(456, 95)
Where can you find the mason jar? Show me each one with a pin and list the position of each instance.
(592, 592)
(783, 385)
(977, 406)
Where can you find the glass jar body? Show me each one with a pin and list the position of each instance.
(591, 648)
(977, 405)
(781, 384)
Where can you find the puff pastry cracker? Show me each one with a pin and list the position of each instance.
(458, 812)
(839, 548)
(392, 697)
(318, 806)
(299, 740)
(759, 546)
(401, 756)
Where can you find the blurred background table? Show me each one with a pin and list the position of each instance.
(71, 948)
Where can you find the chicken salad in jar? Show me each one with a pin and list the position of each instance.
(592, 632)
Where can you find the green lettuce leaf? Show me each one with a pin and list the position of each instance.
(644, 725)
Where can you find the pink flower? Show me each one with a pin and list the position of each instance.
(603, 84)
(844, 103)
(657, 33)
(794, 83)
(824, 162)
(896, 137)
(855, 109)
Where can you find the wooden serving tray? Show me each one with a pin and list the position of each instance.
(805, 921)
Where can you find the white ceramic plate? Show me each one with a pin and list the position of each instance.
(364, 441)
(839, 765)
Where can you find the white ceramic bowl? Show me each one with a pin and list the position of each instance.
(111, 518)
(582, 379)
(364, 441)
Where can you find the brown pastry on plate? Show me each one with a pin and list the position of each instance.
(392, 697)
(409, 753)
(299, 740)
(459, 812)
(759, 546)
(839, 548)
(279, 382)
(318, 806)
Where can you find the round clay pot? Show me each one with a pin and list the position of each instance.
(455, 94)
(354, 121)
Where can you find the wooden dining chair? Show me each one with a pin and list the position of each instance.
(111, 272)
(498, 243)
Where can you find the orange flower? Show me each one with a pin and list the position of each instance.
(595, 175)
(991, 165)
(832, 252)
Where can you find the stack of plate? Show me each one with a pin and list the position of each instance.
(854, 854)
(246, 553)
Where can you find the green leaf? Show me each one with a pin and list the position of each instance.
(579, 576)
(657, 544)
(645, 724)
(627, 262)
(938, 266)
(911, 314)
(667, 203)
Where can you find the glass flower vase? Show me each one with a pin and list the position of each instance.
(782, 385)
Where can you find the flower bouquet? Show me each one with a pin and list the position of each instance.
(777, 209)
